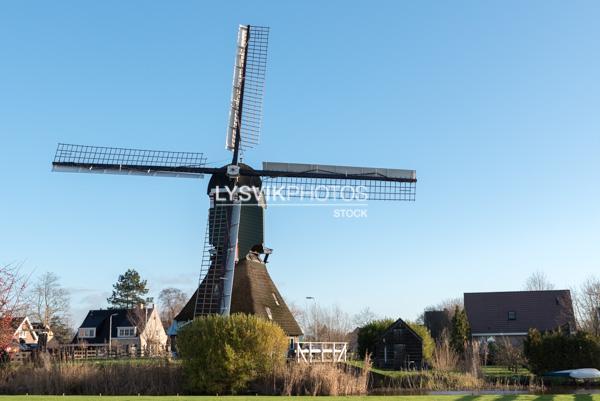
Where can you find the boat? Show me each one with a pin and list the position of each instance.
(582, 374)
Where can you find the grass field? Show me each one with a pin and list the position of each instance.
(500, 371)
(490, 372)
(549, 397)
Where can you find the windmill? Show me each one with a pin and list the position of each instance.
(233, 274)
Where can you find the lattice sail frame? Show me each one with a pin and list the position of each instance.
(248, 86)
(337, 190)
(214, 257)
(110, 160)
(83, 154)
(322, 182)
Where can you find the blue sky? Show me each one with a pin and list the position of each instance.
(495, 104)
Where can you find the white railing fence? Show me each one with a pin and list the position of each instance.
(320, 351)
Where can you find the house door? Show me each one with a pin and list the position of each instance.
(399, 356)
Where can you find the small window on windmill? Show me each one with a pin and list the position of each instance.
(269, 314)
(275, 298)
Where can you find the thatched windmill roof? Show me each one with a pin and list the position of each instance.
(254, 293)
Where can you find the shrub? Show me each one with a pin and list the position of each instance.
(556, 351)
(368, 335)
(222, 354)
(428, 343)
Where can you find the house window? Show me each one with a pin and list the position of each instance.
(87, 332)
(269, 314)
(512, 315)
(22, 334)
(275, 298)
(125, 331)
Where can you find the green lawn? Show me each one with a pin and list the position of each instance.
(488, 371)
(562, 397)
(500, 371)
(390, 373)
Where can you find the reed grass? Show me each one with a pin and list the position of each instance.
(157, 377)
(320, 379)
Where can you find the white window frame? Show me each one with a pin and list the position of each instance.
(121, 329)
(269, 313)
(81, 333)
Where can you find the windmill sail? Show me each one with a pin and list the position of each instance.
(339, 182)
(107, 160)
(210, 287)
(249, 72)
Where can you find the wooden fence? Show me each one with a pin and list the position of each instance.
(74, 352)
(305, 352)
(103, 351)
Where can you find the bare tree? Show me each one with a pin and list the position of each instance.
(538, 281)
(296, 311)
(587, 305)
(509, 355)
(49, 304)
(326, 324)
(12, 287)
(363, 317)
(171, 301)
(449, 304)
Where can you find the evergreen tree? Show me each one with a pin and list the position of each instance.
(459, 331)
(129, 291)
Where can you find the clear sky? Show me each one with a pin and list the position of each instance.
(495, 104)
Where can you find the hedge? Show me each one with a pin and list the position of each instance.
(558, 351)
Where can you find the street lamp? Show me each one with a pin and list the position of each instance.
(310, 316)
(110, 333)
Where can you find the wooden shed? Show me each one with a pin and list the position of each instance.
(399, 348)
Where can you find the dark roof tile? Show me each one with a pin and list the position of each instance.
(544, 310)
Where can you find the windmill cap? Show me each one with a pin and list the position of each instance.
(222, 180)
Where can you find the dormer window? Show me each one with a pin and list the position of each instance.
(86, 332)
(512, 315)
(269, 314)
(275, 298)
(125, 331)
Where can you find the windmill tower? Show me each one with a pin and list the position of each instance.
(233, 274)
